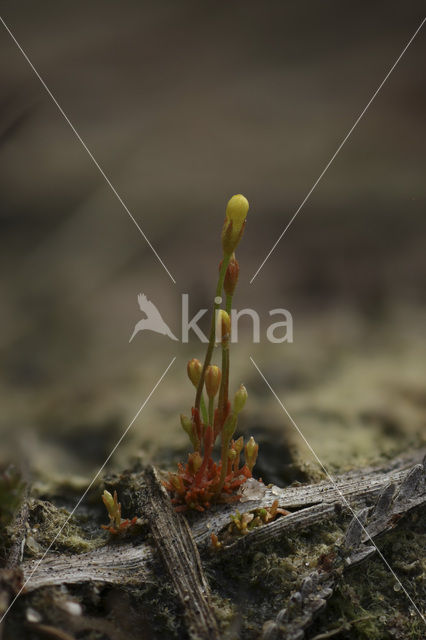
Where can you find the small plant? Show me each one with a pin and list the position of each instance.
(116, 524)
(201, 481)
(243, 523)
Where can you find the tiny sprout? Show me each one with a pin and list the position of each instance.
(111, 504)
(246, 522)
(116, 524)
(215, 542)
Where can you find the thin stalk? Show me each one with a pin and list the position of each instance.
(204, 410)
(210, 347)
(223, 402)
(224, 385)
(211, 411)
(224, 463)
(224, 466)
(223, 392)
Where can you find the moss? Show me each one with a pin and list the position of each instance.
(11, 493)
(370, 602)
(47, 521)
(225, 612)
(367, 603)
(157, 601)
(259, 582)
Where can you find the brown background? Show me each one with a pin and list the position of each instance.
(184, 104)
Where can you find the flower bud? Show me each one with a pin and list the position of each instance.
(186, 424)
(232, 454)
(240, 398)
(194, 369)
(236, 213)
(231, 276)
(223, 326)
(236, 210)
(229, 427)
(108, 501)
(195, 461)
(188, 427)
(250, 453)
(177, 483)
(212, 379)
(239, 445)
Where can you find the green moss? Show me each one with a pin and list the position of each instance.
(158, 602)
(47, 521)
(367, 603)
(12, 490)
(259, 582)
(368, 599)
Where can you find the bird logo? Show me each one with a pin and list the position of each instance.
(153, 320)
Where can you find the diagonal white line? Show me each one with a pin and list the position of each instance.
(333, 157)
(87, 490)
(90, 154)
(337, 489)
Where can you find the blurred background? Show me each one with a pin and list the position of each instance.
(184, 104)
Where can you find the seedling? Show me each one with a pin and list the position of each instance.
(243, 523)
(202, 481)
(116, 524)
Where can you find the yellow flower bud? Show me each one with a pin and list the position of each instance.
(194, 369)
(250, 453)
(212, 379)
(239, 445)
(223, 326)
(232, 454)
(236, 213)
(240, 398)
(195, 461)
(108, 501)
(236, 210)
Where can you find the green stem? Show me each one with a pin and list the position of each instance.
(223, 392)
(210, 346)
(224, 385)
(223, 401)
